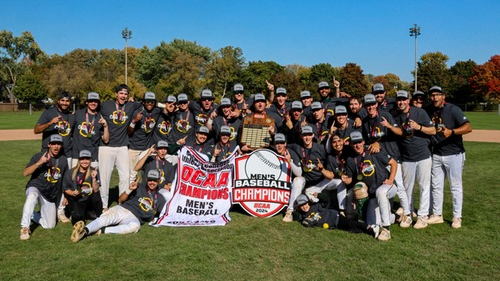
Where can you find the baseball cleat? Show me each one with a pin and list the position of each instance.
(61, 216)
(405, 221)
(435, 219)
(385, 235)
(25, 233)
(421, 223)
(78, 231)
(288, 216)
(457, 223)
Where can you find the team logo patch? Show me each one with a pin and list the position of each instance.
(367, 169)
(146, 204)
(119, 117)
(165, 127)
(63, 128)
(149, 125)
(262, 183)
(201, 119)
(86, 130)
(53, 174)
(183, 126)
(85, 189)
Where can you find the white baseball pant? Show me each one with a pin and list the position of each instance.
(117, 220)
(422, 171)
(108, 157)
(47, 217)
(451, 166)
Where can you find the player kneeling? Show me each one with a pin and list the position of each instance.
(138, 205)
(318, 214)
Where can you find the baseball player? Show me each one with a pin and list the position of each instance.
(141, 133)
(183, 122)
(320, 122)
(203, 109)
(160, 163)
(280, 106)
(371, 169)
(224, 147)
(118, 114)
(90, 129)
(312, 156)
(306, 99)
(383, 103)
(138, 205)
(416, 129)
(47, 169)
(226, 117)
(318, 214)
(81, 188)
(280, 146)
(448, 155)
(294, 120)
(378, 130)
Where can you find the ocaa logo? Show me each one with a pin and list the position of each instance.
(262, 183)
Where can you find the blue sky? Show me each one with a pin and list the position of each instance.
(372, 34)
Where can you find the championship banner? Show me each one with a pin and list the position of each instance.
(262, 183)
(202, 192)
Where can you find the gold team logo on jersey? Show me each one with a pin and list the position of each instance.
(87, 130)
(165, 127)
(201, 119)
(438, 123)
(376, 134)
(407, 130)
(53, 174)
(162, 175)
(367, 168)
(183, 126)
(307, 167)
(146, 204)
(118, 117)
(149, 125)
(233, 134)
(85, 189)
(63, 128)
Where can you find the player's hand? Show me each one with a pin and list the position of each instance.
(44, 159)
(446, 132)
(151, 149)
(269, 86)
(414, 125)
(385, 123)
(103, 122)
(55, 120)
(94, 174)
(213, 114)
(389, 182)
(216, 151)
(168, 186)
(319, 166)
(182, 141)
(374, 148)
(333, 128)
(271, 130)
(336, 83)
(133, 186)
(138, 117)
(344, 178)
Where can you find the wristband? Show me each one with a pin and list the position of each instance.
(128, 191)
(132, 125)
(453, 132)
(420, 128)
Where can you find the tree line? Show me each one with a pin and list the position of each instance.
(29, 75)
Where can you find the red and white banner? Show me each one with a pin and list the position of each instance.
(202, 192)
(262, 183)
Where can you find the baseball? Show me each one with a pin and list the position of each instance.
(263, 163)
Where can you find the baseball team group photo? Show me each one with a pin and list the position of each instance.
(183, 161)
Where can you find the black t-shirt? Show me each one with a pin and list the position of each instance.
(163, 128)
(81, 183)
(206, 148)
(371, 169)
(281, 112)
(373, 132)
(336, 164)
(183, 126)
(118, 118)
(200, 114)
(48, 177)
(309, 161)
(234, 123)
(165, 168)
(142, 138)
(389, 105)
(414, 144)
(63, 127)
(87, 133)
(144, 203)
(451, 117)
(319, 215)
(321, 129)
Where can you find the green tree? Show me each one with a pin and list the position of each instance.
(30, 89)
(289, 81)
(352, 80)
(459, 87)
(392, 83)
(432, 71)
(254, 76)
(16, 54)
(322, 72)
(223, 70)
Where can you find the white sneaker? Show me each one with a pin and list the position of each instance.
(288, 216)
(25, 233)
(376, 230)
(421, 223)
(435, 219)
(457, 223)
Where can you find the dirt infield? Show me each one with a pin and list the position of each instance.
(476, 135)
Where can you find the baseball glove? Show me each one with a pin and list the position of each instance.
(360, 190)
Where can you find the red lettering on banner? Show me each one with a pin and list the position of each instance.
(202, 179)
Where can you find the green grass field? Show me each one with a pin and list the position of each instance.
(258, 249)
(23, 120)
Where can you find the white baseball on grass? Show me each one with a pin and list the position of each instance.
(263, 162)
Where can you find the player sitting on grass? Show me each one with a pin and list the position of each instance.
(318, 214)
(138, 205)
